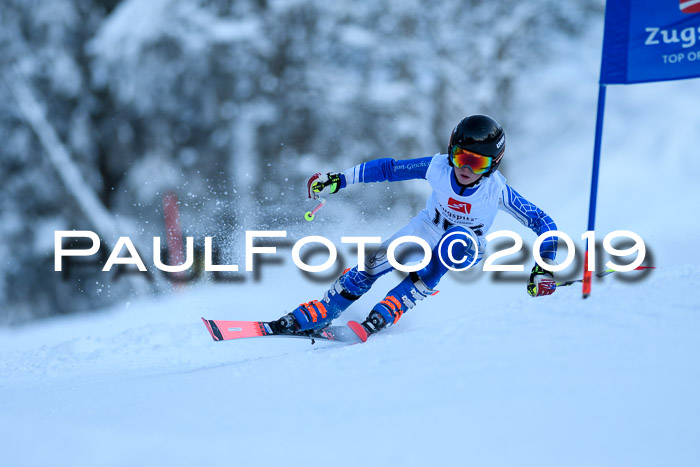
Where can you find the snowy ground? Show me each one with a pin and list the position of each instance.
(490, 378)
(480, 374)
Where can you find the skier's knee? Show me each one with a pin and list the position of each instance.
(458, 246)
(377, 263)
(457, 249)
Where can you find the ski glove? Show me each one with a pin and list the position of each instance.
(541, 282)
(329, 180)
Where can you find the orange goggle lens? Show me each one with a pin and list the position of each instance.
(463, 158)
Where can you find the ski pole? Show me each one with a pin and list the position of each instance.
(313, 189)
(600, 274)
(309, 215)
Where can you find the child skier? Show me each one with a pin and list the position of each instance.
(468, 190)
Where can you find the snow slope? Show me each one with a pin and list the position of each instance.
(490, 378)
(480, 374)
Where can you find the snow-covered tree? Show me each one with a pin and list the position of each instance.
(232, 104)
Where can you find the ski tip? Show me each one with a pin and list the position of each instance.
(358, 329)
(208, 324)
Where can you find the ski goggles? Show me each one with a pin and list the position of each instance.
(463, 158)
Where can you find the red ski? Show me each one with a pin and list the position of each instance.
(359, 330)
(221, 330)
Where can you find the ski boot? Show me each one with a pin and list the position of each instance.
(386, 313)
(317, 314)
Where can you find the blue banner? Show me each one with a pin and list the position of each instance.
(650, 40)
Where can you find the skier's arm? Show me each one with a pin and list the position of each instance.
(530, 216)
(386, 170)
(378, 170)
(541, 281)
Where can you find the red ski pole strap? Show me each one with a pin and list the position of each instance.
(309, 184)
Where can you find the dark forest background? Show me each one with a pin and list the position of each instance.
(106, 106)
